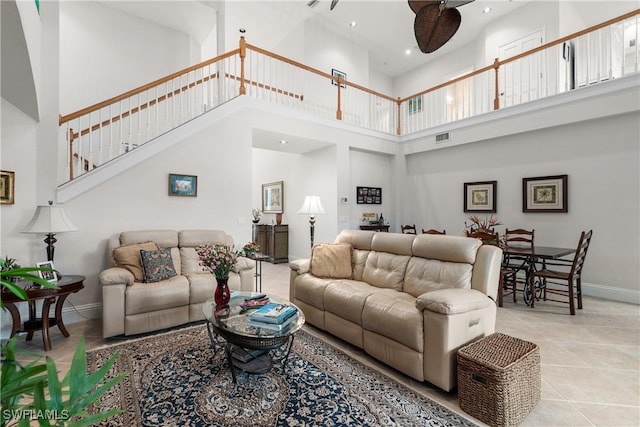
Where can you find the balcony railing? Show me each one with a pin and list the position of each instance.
(102, 132)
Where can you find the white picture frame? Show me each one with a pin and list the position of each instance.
(49, 276)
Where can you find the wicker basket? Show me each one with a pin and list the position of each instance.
(499, 379)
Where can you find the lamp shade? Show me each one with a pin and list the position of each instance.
(312, 206)
(49, 219)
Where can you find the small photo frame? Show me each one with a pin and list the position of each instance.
(183, 185)
(415, 104)
(343, 77)
(480, 196)
(7, 185)
(545, 194)
(49, 276)
(273, 197)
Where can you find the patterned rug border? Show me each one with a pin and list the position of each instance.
(408, 396)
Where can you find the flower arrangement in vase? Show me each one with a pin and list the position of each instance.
(219, 260)
(478, 224)
(255, 213)
(249, 249)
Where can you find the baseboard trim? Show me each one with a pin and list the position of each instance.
(70, 314)
(609, 292)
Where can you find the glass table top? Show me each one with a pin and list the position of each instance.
(234, 319)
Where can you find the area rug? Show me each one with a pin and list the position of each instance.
(176, 379)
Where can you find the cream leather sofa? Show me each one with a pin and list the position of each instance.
(130, 306)
(410, 301)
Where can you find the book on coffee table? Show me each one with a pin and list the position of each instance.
(273, 313)
(273, 326)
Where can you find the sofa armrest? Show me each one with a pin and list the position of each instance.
(116, 276)
(243, 263)
(300, 266)
(453, 301)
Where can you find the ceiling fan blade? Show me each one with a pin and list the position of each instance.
(333, 4)
(456, 3)
(433, 27)
(417, 5)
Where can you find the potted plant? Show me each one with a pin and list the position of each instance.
(255, 213)
(33, 391)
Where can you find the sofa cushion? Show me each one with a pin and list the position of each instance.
(191, 261)
(446, 248)
(346, 298)
(453, 301)
(395, 316)
(157, 265)
(332, 261)
(310, 290)
(128, 257)
(385, 270)
(426, 275)
(162, 238)
(170, 293)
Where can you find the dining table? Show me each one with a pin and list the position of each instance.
(531, 256)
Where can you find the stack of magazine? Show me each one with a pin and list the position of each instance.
(273, 316)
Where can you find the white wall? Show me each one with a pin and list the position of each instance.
(602, 160)
(105, 52)
(369, 169)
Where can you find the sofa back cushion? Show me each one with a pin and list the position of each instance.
(385, 270)
(162, 238)
(446, 248)
(195, 238)
(426, 275)
(332, 261)
(358, 239)
(191, 261)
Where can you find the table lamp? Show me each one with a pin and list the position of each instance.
(49, 220)
(312, 207)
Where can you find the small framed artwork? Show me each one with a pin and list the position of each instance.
(545, 194)
(480, 196)
(49, 276)
(415, 104)
(369, 195)
(273, 197)
(183, 185)
(7, 185)
(343, 77)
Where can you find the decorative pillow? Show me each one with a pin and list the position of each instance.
(157, 265)
(332, 261)
(128, 257)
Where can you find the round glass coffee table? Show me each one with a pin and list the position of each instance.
(249, 348)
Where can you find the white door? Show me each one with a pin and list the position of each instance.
(520, 80)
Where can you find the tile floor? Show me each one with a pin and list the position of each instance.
(590, 362)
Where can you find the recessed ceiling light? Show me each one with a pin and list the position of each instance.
(407, 52)
(353, 24)
(284, 141)
(486, 10)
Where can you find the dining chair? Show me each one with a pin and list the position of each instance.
(518, 238)
(408, 229)
(433, 231)
(507, 276)
(563, 277)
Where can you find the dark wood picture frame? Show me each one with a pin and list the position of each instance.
(369, 195)
(480, 196)
(183, 185)
(7, 187)
(545, 194)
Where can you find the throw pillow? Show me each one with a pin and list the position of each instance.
(128, 257)
(332, 261)
(157, 265)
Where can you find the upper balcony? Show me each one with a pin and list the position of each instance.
(100, 133)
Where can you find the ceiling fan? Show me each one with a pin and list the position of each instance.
(436, 22)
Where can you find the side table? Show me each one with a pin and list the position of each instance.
(67, 285)
(258, 258)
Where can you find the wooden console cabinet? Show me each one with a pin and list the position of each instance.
(273, 241)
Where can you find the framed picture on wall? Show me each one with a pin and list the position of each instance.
(480, 196)
(7, 186)
(545, 194)
(369, 195)
(415, 104)
(183, 185)
(273, 197)
(343, 77)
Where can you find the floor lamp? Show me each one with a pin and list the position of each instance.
(312, 207)
(49, 220)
